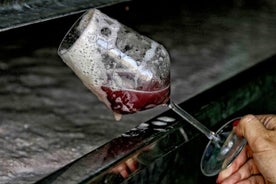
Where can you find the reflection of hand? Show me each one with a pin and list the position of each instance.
(126, 168)
(257, 162)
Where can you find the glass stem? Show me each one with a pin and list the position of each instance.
(190, 119)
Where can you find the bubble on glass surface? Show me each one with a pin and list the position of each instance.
(107, 55)
(82, 55)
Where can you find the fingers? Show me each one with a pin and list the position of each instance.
(258, 130)
(254, 131)
(236, 164)
(132, 164)
(269, 121)
(245, 172)
(248, 169)
(126, 168)
(122, 169)
(257, 179)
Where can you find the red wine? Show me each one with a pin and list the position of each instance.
(131, 101)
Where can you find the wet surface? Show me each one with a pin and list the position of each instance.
(48, 118)
(18, 13)
(168, 150)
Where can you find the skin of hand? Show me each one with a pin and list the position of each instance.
(257, 162)
(126, 168)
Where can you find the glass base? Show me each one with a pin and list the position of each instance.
(219, 155)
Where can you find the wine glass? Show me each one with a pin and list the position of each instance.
(130, 72)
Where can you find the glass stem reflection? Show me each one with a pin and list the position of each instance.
(190, 119)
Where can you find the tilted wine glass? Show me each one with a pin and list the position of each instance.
(130, 72)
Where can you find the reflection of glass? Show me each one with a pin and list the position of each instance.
(129, 73)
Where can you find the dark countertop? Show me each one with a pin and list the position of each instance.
(48, 118)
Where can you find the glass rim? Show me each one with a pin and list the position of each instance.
(71, 33)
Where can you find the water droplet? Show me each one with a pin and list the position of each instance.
(143, 126)
(160, 129)
(166, 119)
(132, 133)
(159, 123)
(26, 126)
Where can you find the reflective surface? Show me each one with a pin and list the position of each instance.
(130, 72)
(48, 118)
(17, 13)
(161, 150)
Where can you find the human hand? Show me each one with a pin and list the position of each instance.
(126, 168)
(257, 162)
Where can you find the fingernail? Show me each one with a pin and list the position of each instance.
(236, 122)
(249, 117)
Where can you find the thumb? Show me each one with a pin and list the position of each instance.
(253, 131)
